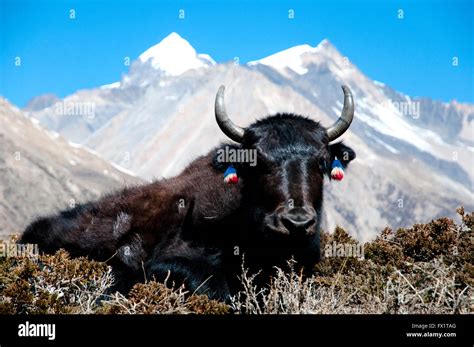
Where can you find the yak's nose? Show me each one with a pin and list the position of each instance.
(297, 219)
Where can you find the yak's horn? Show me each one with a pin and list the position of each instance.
(347, 114)
(233, 131)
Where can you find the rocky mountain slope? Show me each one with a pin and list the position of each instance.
(40, 172)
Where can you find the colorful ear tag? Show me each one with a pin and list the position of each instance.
(337, 171)
(230, 175)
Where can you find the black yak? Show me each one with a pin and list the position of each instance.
(195, 228)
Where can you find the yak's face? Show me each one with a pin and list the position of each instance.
(284, 186)
(289, 158)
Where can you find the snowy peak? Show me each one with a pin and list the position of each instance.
(174, 56)
(289, 58)
(293, 58)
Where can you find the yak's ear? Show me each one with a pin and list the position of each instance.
(342, 152)
(220, 159)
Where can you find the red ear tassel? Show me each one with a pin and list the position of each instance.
(337, 174)
(231, 179)
(337, 171)
(230, 175)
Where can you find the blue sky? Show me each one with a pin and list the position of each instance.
(58, 55)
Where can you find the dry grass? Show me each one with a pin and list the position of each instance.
(52, 284)
(427, 268)
(424, 269)
(154, 298)
(426, 288)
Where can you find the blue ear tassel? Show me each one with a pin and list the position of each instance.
(337, 171)
(230, 175)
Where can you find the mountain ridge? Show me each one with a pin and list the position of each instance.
(155, 123)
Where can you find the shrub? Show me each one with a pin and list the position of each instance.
(52, 284)
(423, 269)
(427, 268)
(153, 297)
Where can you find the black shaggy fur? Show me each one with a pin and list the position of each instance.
(195, 229)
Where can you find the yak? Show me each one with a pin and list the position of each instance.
(194, 229)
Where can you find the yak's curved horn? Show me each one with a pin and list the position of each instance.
(233, 131)
(347, 114)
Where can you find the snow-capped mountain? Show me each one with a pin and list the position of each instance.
(414, 155)
(387, 118)
(174, 56)
(290, 59)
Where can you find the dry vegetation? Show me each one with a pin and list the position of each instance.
(427, 268)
